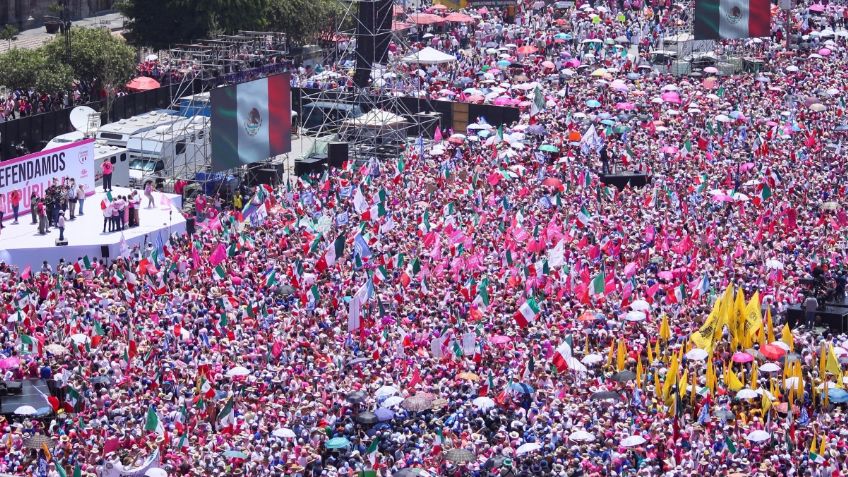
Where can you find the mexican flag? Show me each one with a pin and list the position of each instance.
(380, 275)
(527, 313)
(335, 251)
(731, 19)
(219, 273)
(72, 397)
(252, 121)
(538, 104)
(765, 192)
(271, 278)
(562, 353)
(83, 264)
(584, 217)
(372, 450)
(598, 284)
(227, 415)
(153, 423)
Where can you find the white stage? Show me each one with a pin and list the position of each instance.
(21, 244)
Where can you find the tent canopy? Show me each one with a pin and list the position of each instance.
(429, 56)
(377, 118)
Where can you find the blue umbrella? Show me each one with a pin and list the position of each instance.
(522, 388)
(608, 122)
(593, 103)
(235, 454)
(837, 395)
(384, 414)
(503, 64)
(337, 443)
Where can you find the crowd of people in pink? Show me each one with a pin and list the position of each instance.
(485, 305)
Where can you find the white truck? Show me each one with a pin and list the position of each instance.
(168, 150)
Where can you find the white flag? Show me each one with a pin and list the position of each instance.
(556, 256)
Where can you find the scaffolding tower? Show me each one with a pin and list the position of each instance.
(368, 112)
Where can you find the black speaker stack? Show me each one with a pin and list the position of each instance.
(373, 33)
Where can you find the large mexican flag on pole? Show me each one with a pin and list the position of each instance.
(251, 121)
(729, 19)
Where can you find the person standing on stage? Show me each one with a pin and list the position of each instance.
(72, 199)
(60, 222)
(107, 168)
(41, 208)
(107, 216)
(33, 207)
(148, 192)
(81, 197)
(134, 202)
(15, 200)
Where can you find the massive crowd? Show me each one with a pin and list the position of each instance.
(484, 305)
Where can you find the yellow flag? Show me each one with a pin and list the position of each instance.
(711, 378)
(694, 390)
(665, 331)
(769, 325)
(658, 352)
(46, 451)
(684, 380)
(621, 357)
(611, 352)
(791, 396)
(739, 315)
(754, 372)
(657, 385)
(639, 370)
(732, 381)
(833, 367)
(823, 446)
(766, 404)
(813, 444)
(822, 358)
(786, 337)
(650, 353)
(753, 320)
(670, 376)
(705, 337)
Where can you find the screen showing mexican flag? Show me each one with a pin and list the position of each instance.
(251, 122)
(731, 19)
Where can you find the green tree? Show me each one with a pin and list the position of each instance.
(303, 21)
(9, 33)
(24, 68)
(98, 59)
(164, 23)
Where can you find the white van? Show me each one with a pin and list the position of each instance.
(120, 132)
(167, 150)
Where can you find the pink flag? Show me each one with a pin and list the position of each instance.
(218, 255)
(437, 137)
(26, 273)
(630, 269)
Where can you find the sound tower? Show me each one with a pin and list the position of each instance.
(373, 32)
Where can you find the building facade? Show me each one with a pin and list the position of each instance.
(26, 14)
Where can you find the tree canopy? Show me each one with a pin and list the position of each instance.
(98, 59)
(165, 23)
(25, 69)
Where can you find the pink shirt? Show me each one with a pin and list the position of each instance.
(107, 167)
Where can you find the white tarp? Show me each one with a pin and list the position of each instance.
(429, 56)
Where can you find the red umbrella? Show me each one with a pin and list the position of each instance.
(553, 182)
(740, 357)
(142, 83)
(772, 352)
(527, 50)
(457, 17)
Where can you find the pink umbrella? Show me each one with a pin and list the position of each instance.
(671, 97)
(494, 71)
(669, 150)
(722, 198)
(10, 363)
(625, 106)
(572, 63)
(824, 52)
(500, 339)
(709, 83)
(818, 8)
(475, 98)
(524, 104)
(501, 101)
(740, 357)
(548, 65)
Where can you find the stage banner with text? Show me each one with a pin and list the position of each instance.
(35, 172)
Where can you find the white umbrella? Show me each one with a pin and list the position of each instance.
(723, 118)
(284, 432)
(156, 472)
(591, 359)
(741, 197)
(581, 436)
(633, 441)
(758, 436)
(791, 68)
(575, 365)
(385, 392)
(791, 382)
(80, 338)
(746, 394)
(392, 401)
(238, 371)
(25, 411)
(697, 354)
(770, 368)
(635, 316)
(483, 403)
(781, 345)
(774, 264)
(640, 305)
(528, 448)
